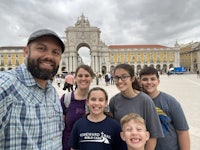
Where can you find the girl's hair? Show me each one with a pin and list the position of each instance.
(97, 89)
(131, 72)
(87, 68)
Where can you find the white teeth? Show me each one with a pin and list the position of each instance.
(135, 140)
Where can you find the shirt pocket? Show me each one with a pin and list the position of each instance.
(57, 117)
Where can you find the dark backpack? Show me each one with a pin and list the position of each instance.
(106, 77)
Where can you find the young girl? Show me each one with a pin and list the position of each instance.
(134, 131)
(96, 131)
(132, 100)
(74, 103)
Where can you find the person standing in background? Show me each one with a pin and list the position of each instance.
(30, 112)
(172, 118)
(198, 74)
(69, 80)
(58, 80)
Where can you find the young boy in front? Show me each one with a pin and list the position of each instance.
(134, 131)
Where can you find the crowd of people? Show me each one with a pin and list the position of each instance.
(33, 116)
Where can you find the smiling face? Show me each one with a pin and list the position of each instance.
(149, 84)
(83, 79)
(126, 84)
(134, 134)
(97, 102)
(43, 57)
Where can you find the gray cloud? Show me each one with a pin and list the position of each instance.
(120, 22)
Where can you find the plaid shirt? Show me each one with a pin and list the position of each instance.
(30, 117)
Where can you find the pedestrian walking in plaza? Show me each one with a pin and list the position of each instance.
(112, 80)
(58, 80)
(30, 112)
(69, 82)
(96, 130)
(73, 103)
(198, 74)
(107, 78)
(172, 118)
(97, 78)
(134, 129)
(131, 100)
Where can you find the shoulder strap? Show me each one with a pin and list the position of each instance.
(67, 99)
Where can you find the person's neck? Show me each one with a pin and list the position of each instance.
(130, 93)
(131, 148)
(81, 94)
(154, 94)
(41, 82)
(96, 118)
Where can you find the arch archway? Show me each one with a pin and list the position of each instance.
(84, 56)
(83, 35)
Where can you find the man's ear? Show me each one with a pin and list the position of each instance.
(26, 51)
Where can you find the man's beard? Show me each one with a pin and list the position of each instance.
(33, 66)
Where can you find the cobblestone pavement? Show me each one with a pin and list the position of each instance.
(185, 88)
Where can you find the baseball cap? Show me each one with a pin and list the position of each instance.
(45, 32)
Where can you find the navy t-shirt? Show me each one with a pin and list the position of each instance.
(103, 135)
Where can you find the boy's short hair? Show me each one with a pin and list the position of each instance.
(132, 116)
(149, 71)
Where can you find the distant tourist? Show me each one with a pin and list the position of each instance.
(198, 74)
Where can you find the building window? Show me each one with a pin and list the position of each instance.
(112, 58)
(151, 56)
(165, 57)
(118, 58)
(125, 57)
(17, 62)
(145, 57)
(158, 56)
(171, 56)
(138, 57)
(9, 62)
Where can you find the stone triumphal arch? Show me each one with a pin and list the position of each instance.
(84, 35)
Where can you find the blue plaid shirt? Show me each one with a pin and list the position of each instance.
(30, 117)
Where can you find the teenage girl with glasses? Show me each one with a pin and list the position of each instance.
(131, 100)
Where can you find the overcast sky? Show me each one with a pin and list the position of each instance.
(121, 22)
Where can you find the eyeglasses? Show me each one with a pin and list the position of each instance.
(123, 78)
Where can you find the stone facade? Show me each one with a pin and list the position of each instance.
(104, 58)
(82, 34)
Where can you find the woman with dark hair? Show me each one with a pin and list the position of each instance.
(131, 100)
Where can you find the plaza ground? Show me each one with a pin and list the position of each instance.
(185, 88)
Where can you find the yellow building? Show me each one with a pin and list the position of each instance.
(160, 57)
(10, 57)
(190, 56)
